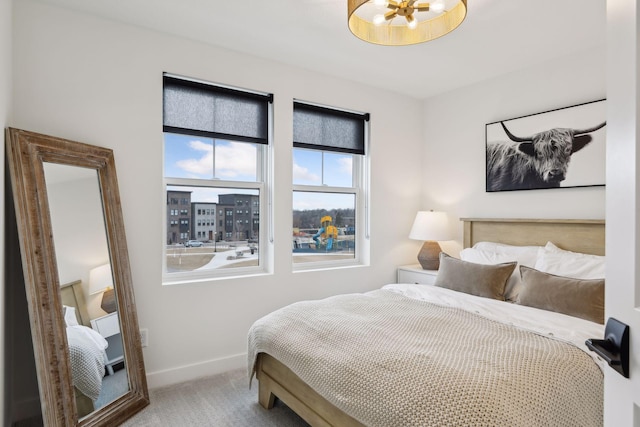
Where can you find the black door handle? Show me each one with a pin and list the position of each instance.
(614, 348)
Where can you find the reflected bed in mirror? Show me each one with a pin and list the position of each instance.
(81, 306)
(95, 346)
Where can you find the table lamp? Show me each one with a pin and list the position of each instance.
(430, 226)
(101, 280)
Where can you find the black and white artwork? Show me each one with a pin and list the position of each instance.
(555, 149)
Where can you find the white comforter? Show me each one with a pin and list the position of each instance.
(88, 358)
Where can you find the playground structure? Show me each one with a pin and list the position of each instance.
(327, 232)
(327, 238)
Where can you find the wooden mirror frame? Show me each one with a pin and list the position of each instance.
(26, 153)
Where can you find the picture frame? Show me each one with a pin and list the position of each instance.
(560, 148)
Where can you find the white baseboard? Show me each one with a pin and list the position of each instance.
(196, 370)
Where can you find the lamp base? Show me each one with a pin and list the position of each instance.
(109, 301)
(429, 255)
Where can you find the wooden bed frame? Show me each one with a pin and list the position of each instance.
(276, 380)
(586, 236)
(71, 295)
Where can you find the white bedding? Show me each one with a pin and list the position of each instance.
(547, 323)
(484, 362)
(88, 358)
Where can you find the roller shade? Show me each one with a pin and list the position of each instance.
(201, 109)
(321, 128)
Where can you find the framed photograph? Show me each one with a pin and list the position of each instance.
(554, 149)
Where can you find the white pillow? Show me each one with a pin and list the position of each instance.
(526, 257)
(576, 265)
(70, 316)
(480, 256)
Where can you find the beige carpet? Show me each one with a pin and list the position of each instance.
(220, 400)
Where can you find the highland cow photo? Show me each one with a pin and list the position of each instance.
(555, 149)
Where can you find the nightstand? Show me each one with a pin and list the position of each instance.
(415, 274)
(109, 327)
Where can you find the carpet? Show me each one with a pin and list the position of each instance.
(113, 386)
(220, 400)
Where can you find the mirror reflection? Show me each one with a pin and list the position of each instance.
(93, 325)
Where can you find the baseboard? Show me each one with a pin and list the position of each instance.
(197, 370)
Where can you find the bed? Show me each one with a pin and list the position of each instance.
(87, 349)
(444, 357)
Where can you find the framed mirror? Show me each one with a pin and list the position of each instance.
(81, 304)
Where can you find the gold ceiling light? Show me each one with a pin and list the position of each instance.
(399, 23)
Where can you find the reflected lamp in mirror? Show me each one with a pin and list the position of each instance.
(430, 227)
(101, 280)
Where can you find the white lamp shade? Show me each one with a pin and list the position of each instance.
(100, 278)
(430, 225)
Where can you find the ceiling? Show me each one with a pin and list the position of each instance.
(497, 37)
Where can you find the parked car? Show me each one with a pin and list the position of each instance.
(193, 243)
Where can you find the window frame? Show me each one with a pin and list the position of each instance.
(262, 185)
(360, 189)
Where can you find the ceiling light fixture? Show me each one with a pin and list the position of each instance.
(399, 23)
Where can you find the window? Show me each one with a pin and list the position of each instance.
(329, 191)
(216, 156)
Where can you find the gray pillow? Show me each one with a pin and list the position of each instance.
(483, 280)
(582, 298)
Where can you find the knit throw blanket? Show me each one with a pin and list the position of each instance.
(87, 362)
(388, 360)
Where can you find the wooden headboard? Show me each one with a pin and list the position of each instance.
(577, 235)
(73, 296)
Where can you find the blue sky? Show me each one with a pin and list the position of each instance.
(192, 157)
(308, 168)
(306, 201)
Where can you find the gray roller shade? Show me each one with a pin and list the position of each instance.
(321, 128)
(200, 109)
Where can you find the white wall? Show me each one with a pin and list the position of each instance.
(78, 226)
(100, 82)
(454, 156)
(5, 107)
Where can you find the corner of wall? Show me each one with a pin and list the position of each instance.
(6, 19)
